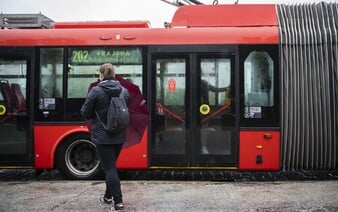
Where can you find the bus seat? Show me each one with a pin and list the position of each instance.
(19, 98)
(8, 95)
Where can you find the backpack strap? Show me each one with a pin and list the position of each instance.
(104, 126)
(109, 97)
(98, 116)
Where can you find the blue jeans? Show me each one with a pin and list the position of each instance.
(108, 154)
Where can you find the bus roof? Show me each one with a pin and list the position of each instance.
(218, 24)
(225, 16)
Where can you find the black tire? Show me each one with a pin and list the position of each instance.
(76, 158)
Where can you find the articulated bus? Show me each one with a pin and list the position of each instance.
(238, 87)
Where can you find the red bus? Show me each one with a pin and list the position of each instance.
(240, 87)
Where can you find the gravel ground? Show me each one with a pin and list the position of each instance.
(201, 175)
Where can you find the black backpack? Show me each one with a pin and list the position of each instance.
(117, 114)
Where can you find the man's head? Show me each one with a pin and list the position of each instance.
(107, 71)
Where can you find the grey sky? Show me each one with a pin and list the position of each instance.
(155, 11)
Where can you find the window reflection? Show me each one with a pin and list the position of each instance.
(216, 127)
(84, 64)
(258, 77)
(258, 84)
(81, 76)
(170, 106)
(50, 77)
(215, 81)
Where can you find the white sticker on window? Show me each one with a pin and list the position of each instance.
(47, 104)
(252, 112)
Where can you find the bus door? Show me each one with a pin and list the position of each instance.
(15, 139)
(194, 122)
(216, 120)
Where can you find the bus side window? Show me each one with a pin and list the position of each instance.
(258, 84)
(13, 85)
(51, 70)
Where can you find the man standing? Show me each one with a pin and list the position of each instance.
(108, 145)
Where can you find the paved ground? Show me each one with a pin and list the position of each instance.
(141, 195)
(175, 190)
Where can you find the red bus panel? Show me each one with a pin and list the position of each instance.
(259, 150)
(225, 16)
(46, 141)
(101, 36)
(48, 138)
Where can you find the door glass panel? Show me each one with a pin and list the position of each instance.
(170, 106)
(13, 111)
(215, 107)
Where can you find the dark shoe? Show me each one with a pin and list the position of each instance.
(119, 206)
(106, 200)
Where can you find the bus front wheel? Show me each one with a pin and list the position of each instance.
(76, 158)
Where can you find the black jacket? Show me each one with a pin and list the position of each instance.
(97, 99)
